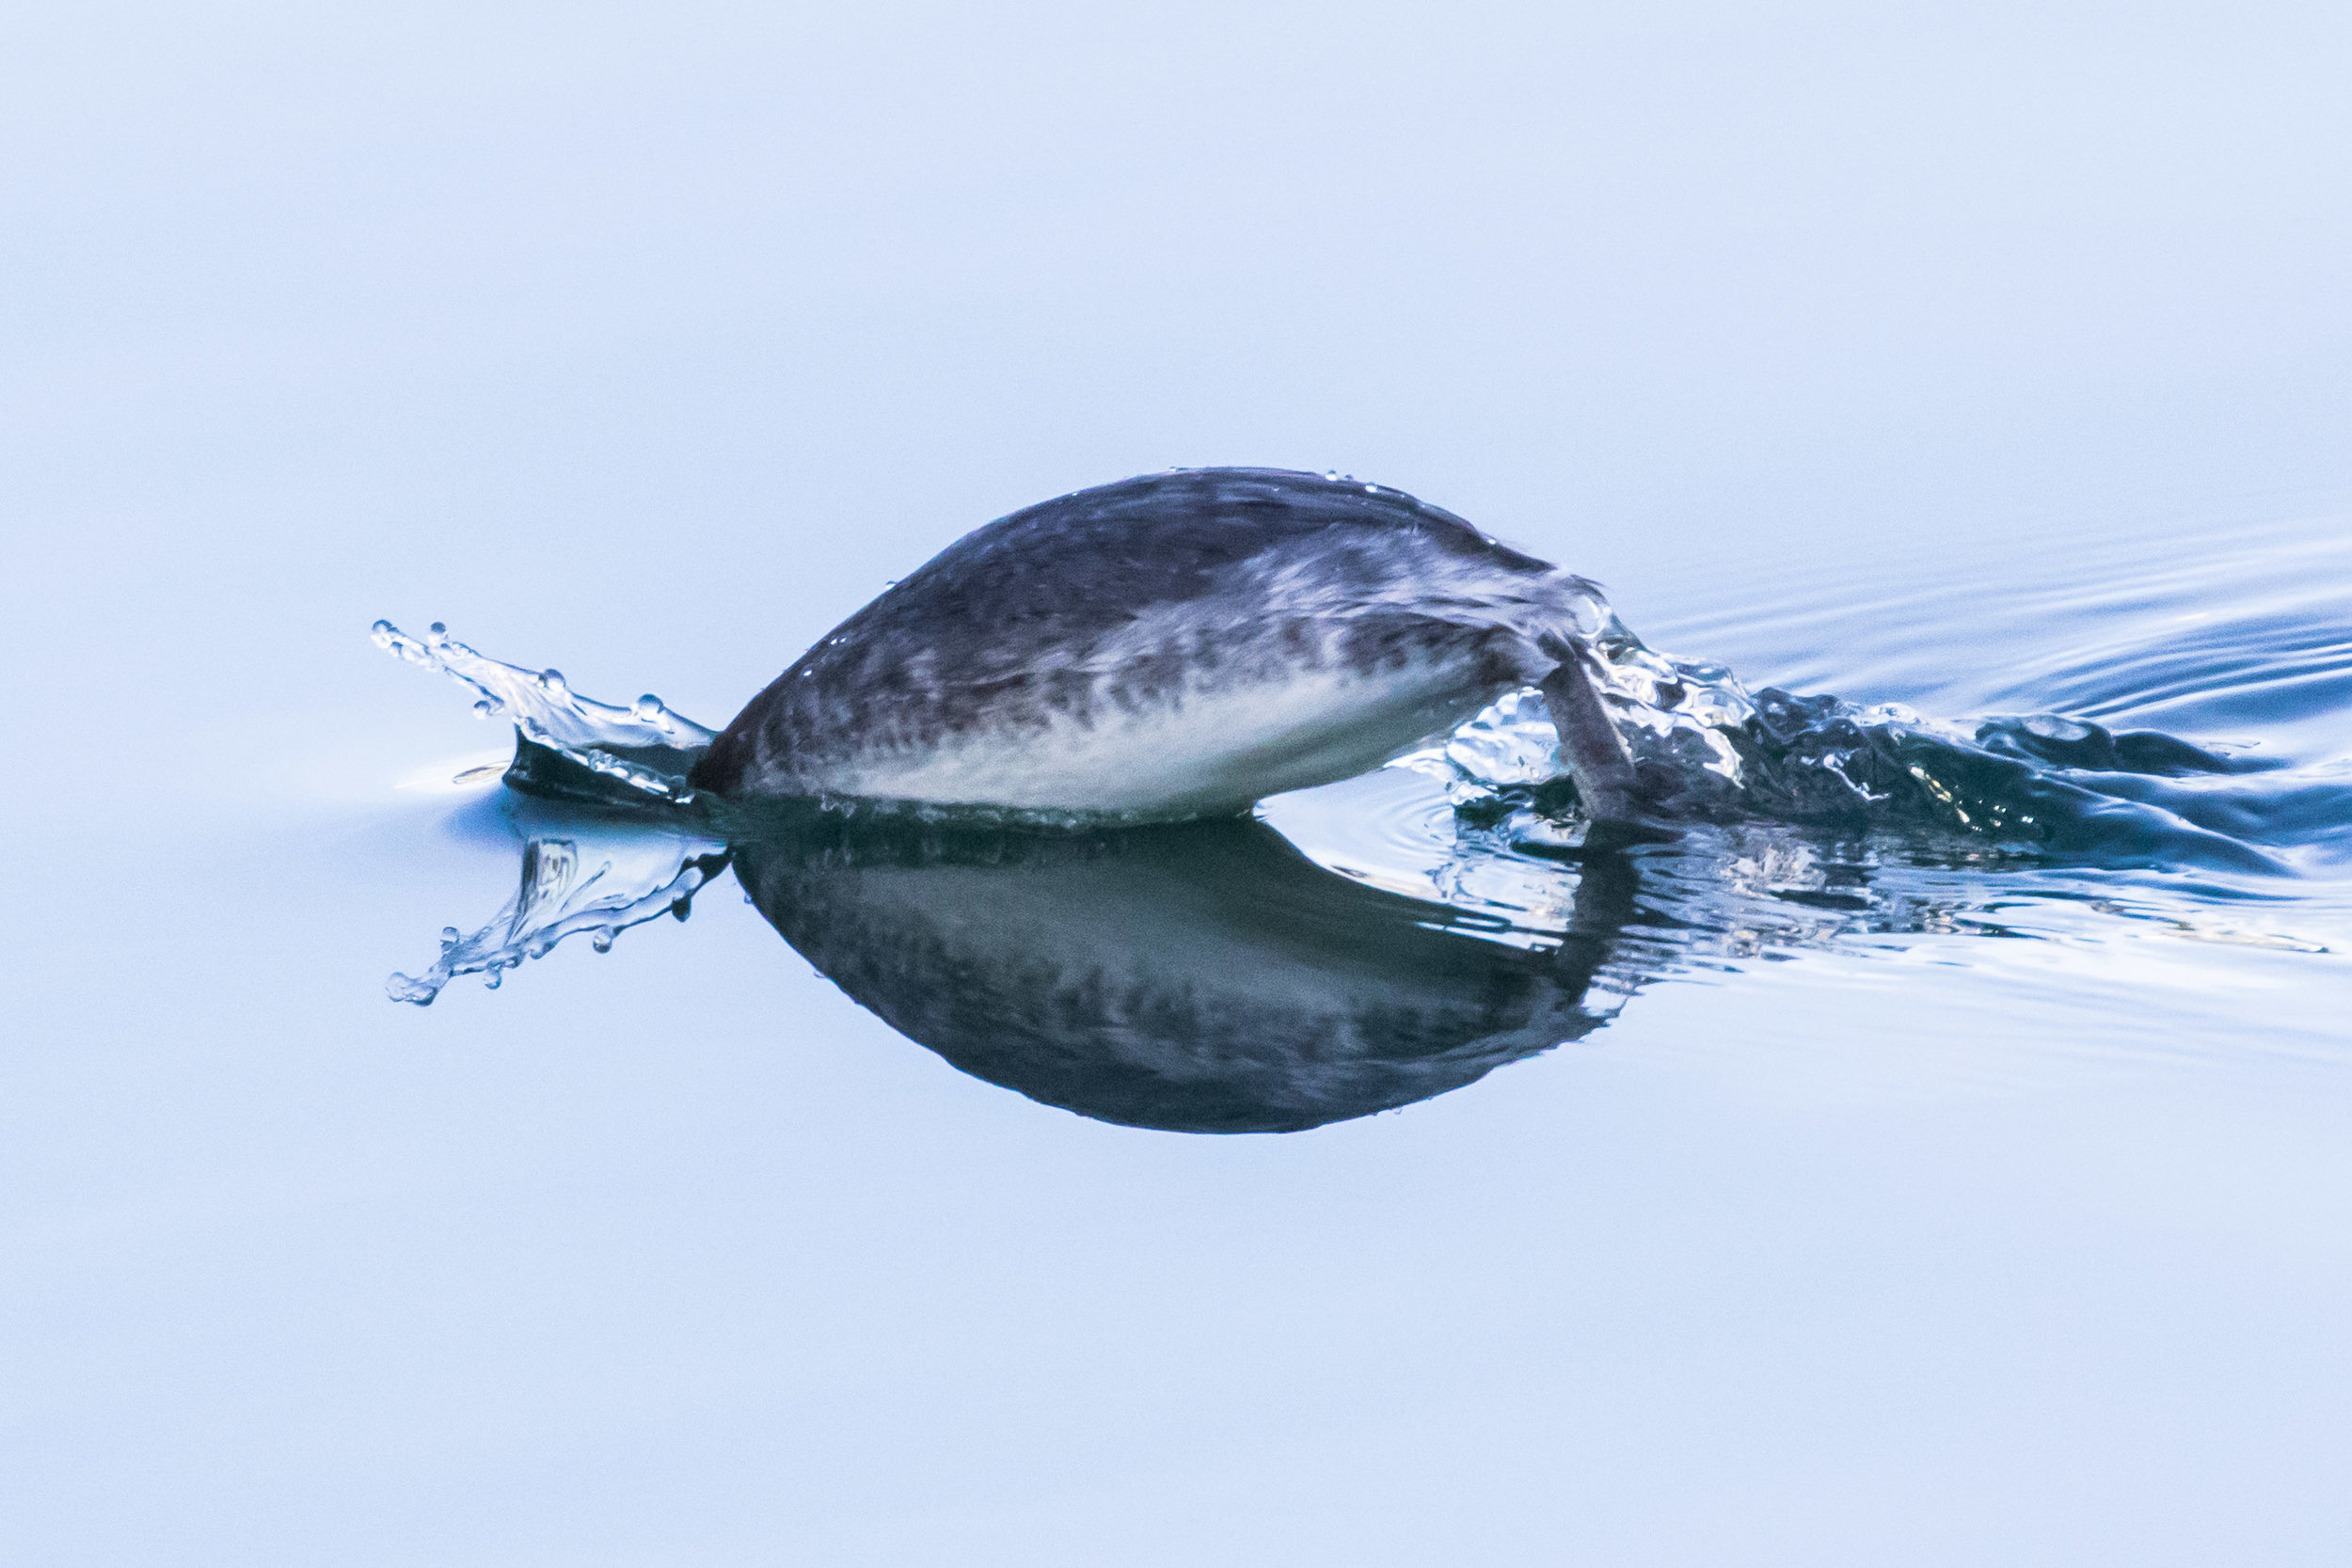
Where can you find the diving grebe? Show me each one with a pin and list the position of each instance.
(1178, 645)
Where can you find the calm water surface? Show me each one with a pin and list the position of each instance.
(1809, 1190)
(1775, 1164)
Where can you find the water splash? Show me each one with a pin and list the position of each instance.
(580, 874)
(1712, 750)
(1716, 896)
(1814, 821)
(1678, 718)
(643, 746)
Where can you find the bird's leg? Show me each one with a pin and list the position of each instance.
(1589, 741)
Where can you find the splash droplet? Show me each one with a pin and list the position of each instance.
(438, 631)
(602, 941)
(449, 936)
(403, 988)
(552, 682)
(648, 709)
(483, 708)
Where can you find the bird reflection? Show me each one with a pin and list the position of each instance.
(1203, 978)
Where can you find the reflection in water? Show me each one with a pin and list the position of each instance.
(1389, 943)
(582, 870)
(1203, 978)
(1196, 977)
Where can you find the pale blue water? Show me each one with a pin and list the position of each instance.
(1907, 1199)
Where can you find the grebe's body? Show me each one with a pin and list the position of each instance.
(1176, 645)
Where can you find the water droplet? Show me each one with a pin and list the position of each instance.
(648, 709)
(380, 633)
(449, 936)
(483, 708)
(403, 988)
(439, 630)
(552, 682)
(1371, 489)
(496, 978)
(1332, 475)
(602, 941)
